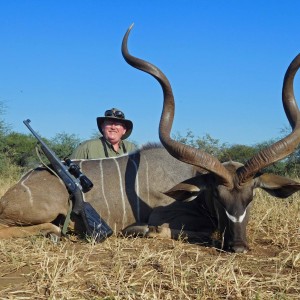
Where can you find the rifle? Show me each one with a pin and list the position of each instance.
(76, 183)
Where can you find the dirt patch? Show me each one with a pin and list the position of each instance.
(14, 277)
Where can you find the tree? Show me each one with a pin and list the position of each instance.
(206, 143)
(63, 144)
(19, 148)
(240, 153)
(4, 128)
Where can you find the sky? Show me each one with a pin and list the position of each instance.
(61, 65)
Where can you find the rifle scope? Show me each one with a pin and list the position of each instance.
(75, 171)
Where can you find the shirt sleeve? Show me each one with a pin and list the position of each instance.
(130, 147)
(79, 152)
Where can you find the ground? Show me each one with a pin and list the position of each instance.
(135, 268)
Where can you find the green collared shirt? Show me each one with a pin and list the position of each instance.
(93, 149)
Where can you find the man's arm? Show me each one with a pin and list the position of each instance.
(81, 152)
(130, 147)
(90, 149)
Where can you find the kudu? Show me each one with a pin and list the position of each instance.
(225, 190)
(134, 193)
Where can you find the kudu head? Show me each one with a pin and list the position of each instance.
(228, 187)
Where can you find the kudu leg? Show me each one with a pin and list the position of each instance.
(164, 232)
(20, 232)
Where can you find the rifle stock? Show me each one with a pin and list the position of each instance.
(95, 226)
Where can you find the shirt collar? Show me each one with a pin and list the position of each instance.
(111, 146)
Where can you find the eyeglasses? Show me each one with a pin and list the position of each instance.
(115, 123)
(114, 113)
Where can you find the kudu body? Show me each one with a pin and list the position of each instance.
(126, 189)
(135, 193)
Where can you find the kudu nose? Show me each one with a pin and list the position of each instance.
(239, 249)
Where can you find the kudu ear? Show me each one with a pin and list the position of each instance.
(277, 186)
(189, 189)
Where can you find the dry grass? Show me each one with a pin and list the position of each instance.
(123, 268)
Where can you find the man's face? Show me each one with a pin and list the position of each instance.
(113, 131)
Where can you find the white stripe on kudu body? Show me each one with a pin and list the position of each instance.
(147, 179)
(102, 189)
(137, 188)
(121, 191)
(27, 188)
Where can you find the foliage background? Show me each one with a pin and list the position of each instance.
(18, 154)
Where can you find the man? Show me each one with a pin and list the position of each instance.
(114, 129)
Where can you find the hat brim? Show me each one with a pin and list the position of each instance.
(127, 123)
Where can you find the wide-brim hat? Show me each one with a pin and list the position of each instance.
(115, 114)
